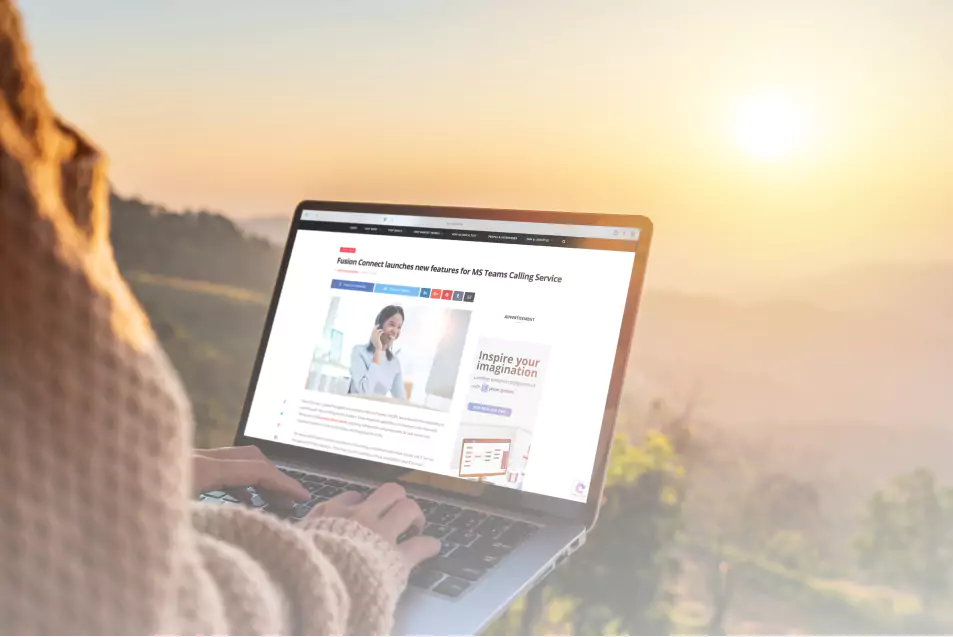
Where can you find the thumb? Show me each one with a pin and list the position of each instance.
(419, 548)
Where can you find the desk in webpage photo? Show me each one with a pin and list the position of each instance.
(484, 457)
(493, 362)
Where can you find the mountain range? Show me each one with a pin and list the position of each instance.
(866, 344)
(847, 374)
(835, 384)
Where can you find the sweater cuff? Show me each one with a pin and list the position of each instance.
(374, 571)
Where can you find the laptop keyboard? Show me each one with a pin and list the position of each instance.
(472, 542)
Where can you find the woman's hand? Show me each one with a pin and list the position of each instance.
(239, 467)
(376, 339)
(389, 513)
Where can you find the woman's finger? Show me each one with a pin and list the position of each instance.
(417, 549)
(404, 516)
(381, 500)
(339, 506)
(279, 499)
(242, 494)
(260, 474)
(276, 487)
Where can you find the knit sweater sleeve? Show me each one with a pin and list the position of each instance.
(97, 531)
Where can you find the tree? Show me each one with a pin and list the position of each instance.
(775, 504)
(619, 582)
(721, 576)
(907, 536)
(623, 580)
(793, 550)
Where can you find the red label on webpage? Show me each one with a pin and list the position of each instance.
(351, 250)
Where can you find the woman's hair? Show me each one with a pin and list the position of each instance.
(382, 317)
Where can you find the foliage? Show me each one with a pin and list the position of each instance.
(620, 580)
(907, 536)
(811, 598)
(792, 549)
(204, 286)
(778, 505)
(199, 246)
(211, 340)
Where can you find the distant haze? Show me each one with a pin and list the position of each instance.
(248, 108)
(865, 344)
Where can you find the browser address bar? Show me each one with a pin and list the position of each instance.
(521, 227)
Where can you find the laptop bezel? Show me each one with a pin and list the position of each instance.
(484, 493)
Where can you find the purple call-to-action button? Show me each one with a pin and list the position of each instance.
(489, 409)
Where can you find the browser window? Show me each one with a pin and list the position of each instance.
(470, 348)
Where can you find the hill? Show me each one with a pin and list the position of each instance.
(793, 361)
(190, 245)
(920, 293)
(273, 229)
(841, 349)
(830, 386)
(864, 345)
(205, 285)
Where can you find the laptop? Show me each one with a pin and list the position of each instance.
(491, 394)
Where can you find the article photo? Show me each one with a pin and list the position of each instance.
(389, 349)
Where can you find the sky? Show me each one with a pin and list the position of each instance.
(648, 107)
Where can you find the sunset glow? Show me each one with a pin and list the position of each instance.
(738, 139)
(769, 127)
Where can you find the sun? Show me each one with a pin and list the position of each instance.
(769, 127)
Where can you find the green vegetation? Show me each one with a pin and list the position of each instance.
(907, 536)
(205, 287)
(621, 580)
(196, 246)
(701, 530)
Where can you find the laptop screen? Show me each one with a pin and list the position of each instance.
(470, 348)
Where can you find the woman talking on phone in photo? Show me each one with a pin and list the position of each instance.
(375, 369)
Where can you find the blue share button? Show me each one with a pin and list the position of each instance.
(357, 286)
(489, 409)
(401, 290)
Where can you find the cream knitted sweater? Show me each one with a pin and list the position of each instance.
(97, 531)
